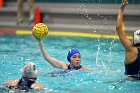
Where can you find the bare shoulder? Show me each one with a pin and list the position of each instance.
(37, 85)
(65, 67)
(132, 51)
(85, 68)
(131, 55)
(11, 82)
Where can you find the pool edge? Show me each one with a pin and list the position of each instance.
(63, 33)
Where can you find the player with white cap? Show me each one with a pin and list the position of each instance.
(132, 49)
(28, 80)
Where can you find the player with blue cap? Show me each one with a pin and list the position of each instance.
(74, 53)
(74, 57)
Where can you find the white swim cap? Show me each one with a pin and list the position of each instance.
(136, 38)
(29, 70)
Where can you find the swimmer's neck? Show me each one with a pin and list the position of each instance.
(31, 79)
(75, 68)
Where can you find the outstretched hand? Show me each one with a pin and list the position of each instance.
(36, 38)
(124, 3)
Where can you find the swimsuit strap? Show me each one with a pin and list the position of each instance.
(25, 84)
(69, 68)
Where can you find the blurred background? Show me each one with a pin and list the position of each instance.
(93, 16)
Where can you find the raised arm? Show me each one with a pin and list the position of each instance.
(54, 62)
(122, 35)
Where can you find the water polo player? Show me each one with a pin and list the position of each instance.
(132, 49)
(74, 57)
(28, 79)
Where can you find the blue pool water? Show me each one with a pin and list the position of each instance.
(104, 55)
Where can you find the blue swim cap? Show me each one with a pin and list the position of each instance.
(71, 52)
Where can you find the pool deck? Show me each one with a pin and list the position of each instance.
(83, 18)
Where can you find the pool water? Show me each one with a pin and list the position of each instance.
(104, 55)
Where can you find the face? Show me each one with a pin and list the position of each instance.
(75, 60)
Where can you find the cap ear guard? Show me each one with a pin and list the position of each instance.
(136, 38)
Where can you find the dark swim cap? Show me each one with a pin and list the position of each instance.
(71, 52)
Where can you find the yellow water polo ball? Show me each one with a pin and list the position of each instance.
(40, 30)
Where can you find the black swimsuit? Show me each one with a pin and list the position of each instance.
(133, 69)
(69, 68)
(25, 84)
